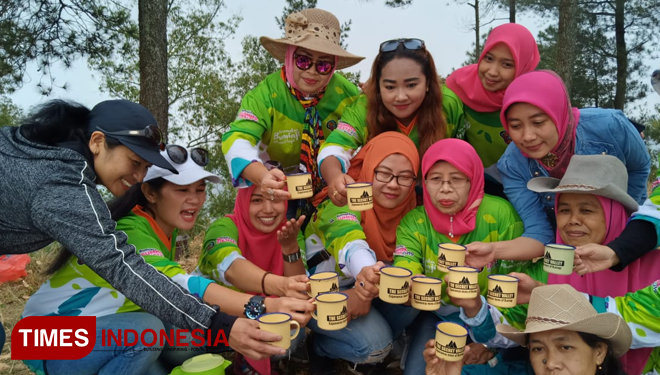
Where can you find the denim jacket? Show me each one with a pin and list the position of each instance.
(599, 131)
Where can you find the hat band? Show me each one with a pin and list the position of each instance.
(578, 186)
(545, 320)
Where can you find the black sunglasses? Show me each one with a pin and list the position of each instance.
(411, 44)
(151, 132)
(179, 155)
(323, 67)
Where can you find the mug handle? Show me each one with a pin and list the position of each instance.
(377, 285)
(295, 334)
(314, 312)
(310, 288)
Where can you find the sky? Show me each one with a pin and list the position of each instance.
(443, 24)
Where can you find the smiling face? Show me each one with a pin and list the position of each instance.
(176, 206)
(310, 81)
(391, 194)
(497, 69)
(266, 215)
(117, 168)
(532, 130)
(448, 187)
(580, 219)
(565, 353)
(403, 88)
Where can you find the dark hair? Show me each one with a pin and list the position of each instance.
(56, 121)
(431, 124)
(119, 207)
(611, 364)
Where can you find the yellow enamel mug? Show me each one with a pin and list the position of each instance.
(463, 282)
(394, 286)
(427, 293)
(299, 185)
(331, 311)
(360, 196)
(502, 290)
(323, 282)
(558, 259)
(279, 324)
(450, 255)
(450, 341)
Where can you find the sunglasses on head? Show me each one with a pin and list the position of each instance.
(179, 155)
(411, 44)
(151, 132)
(323, 67)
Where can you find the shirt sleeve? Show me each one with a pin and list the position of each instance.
(639, 310)
(77, 217)
(351, 134)
(452, 109)
(410, 245)
(220, 250)
(150, 249)
(526, 202)
(240, 143)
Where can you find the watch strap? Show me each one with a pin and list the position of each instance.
(291, 258)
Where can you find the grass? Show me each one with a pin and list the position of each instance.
(14, 295)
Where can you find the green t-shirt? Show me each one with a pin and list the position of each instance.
(270, 121)
(352, 130)
(417, 241)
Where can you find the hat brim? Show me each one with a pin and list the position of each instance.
(605, 325)
(277, 48)
(187, 178)
(149, 153)
(551, 185)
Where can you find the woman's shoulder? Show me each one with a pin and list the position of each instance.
(496, 205)
(347, 87)
(599, 118)
(415, 217)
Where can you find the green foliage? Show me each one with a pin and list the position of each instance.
(10, 113)
(50, 31)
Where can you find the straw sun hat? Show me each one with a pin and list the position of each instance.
(562, 307)
(603, 175)
(314, 29)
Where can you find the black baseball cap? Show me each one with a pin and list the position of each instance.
(133, 126)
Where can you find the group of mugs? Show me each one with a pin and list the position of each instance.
(360, 195)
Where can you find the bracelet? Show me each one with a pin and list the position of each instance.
(263, 286)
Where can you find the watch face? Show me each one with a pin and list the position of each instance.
(255, 307)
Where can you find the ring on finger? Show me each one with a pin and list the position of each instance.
(362, 284)
(335, 193)
(270, 191)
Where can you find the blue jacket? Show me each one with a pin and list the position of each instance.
(599, 131)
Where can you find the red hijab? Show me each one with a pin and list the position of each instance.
(258, 247)
(461, 155)
(465, 82)
(545, 90)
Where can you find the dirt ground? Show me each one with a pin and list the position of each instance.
(14, 295)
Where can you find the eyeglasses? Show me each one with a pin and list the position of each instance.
(401, 180)
(454, 182)
(179, 155)
(411, 44)
(323, 67)
(151, 132)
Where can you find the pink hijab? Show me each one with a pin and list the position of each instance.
(545, 90)
(465, 81)
(461, 155)
(639, 274)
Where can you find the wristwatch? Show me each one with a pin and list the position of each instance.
(291, 258)
(255, 307)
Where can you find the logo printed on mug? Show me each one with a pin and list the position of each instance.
(360, 196)
(558, 259)
(464, 284)
(427, 293)
(339, 318)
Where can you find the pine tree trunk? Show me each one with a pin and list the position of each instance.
(477, 46)
(152, 19)
(565, 58)
(512, 11)
(621, 55)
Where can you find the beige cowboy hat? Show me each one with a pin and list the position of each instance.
(562, 307)
(314, 29)
(603, 175)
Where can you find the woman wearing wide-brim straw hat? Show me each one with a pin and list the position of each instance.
(287, 117)
(564, 333)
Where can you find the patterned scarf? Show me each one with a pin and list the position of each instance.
(312, 136)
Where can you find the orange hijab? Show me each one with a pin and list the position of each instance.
(380, 224)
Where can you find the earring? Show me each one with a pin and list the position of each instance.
(600, 367)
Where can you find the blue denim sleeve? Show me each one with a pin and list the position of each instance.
(636, 157)
(513, 169)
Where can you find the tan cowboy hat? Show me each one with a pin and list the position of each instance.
(603, 175)
(314, 29)
(562, 307)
